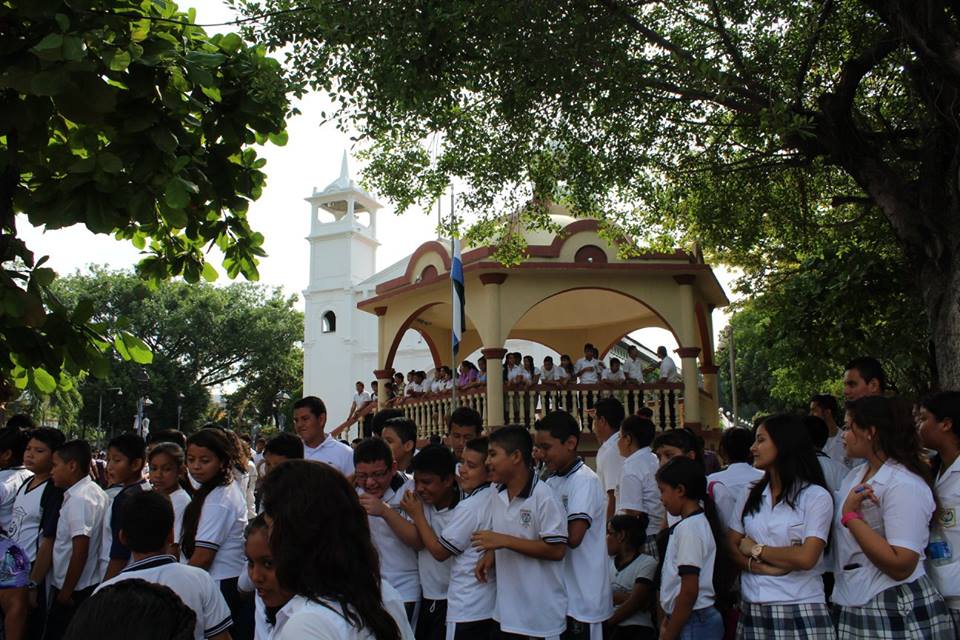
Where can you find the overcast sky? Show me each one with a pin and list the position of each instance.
(310, 159)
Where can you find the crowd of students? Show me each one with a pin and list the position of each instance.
(503, 534)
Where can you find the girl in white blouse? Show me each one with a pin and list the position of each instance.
(778, 532)
(882, 529)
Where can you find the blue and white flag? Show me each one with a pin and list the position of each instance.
(456, 279)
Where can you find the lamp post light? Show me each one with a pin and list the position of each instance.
(141, 377)
(179, 408)
(100, 411)
(279, 399)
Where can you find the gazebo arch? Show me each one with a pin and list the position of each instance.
(606, 296)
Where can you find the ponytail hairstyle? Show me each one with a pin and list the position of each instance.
(321, 546)
(896, 435)
(796, 462)
(689, 474)
(221, 446)
(684, 439)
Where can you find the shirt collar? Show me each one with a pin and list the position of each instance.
(639, 452)
(480, 488)
(294, 604)
(397, 481)
(150, 562)
(527, 488)
(573, 469)
(78, 486)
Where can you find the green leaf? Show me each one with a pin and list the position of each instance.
(230, 43)
(279, 139)
(130, 347)
(109, 162)
(209, 272)
(42, 381)
(49, 47)
(213, 93)
(48, 83)
(119, 60)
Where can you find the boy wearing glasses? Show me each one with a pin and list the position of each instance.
(381, 488)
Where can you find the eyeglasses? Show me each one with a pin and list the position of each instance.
(376, 475)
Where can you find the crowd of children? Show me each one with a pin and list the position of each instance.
(499, 533)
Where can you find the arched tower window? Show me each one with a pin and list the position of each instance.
(328, 322)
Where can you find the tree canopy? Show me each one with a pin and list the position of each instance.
(769, 131)
(120, 116)
(202, 337)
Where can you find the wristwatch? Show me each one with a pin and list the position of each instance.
(756, 551)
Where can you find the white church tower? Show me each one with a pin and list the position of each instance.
(343, 249)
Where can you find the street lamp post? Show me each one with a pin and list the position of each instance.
(179, 409)
(83, 432)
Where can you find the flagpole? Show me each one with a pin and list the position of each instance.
(455, 306)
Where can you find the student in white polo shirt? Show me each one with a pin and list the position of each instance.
(431, 507)
(633, 365)
(309, 420)
(588, 368)
(615, 375)
(381, 488)
(324, 555)
(781, 526)
(886, 506)
(585, 575)
(834, 471)
(147, 530)
(528, 540)
(940, 430)
(631, 576)
(360, 398)
(728, 485)
(609, 414)
(638, 487)
(75, 559)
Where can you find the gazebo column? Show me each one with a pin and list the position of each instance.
(494, 356)
(688, 352)
(384, 377)
(385, 374)
(712, 412)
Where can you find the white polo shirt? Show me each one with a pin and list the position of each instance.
(633, 369)
(10, 482)
(785, 526)
(642, 569)
(467, 599)
(335, 453)
(610, 463)
(638, 488)
(668, 370)
(194, 586)
(398, 562)
(946, 571)
(906, 505)
(531, 599)
(360, 399)
(587, 377)
(517, 374)
(180, 500)
(728, 485)
(833, 471)
(222, 521)
(585, 576)
(435, 575)
(614, 376)
(690, 548)
(82, 513)
(554, 374)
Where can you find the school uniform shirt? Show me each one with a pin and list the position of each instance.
(585, 575)
(554, 374)
(728, 485)
(905, 506)
(435, 575)
(112, 548)
(360, 399)
(781, 525)
(35, 514)
(195, 587)
(610, 463)
(468, 600)
(398, 563)
(690, 549)
(10, 482)
(613, 376)
(587, 377)
(84, 508)
(531, 599)
(833, 471)
(668, 370)
(641, 569)
(516, 374)
(262, 623)
(335, 453)
(943, 556)
(220, 529)
(638, 488)
(180, 500)
(633, 369)
(410, 387)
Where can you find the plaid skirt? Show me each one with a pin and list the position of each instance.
(785, 621)
(904, 612)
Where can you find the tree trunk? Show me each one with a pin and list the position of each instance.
(940, 288)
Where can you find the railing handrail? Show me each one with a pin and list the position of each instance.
(549, 388)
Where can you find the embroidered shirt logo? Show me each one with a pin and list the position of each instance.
(526, 517)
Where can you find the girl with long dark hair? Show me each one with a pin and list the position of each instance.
(882, 589)
(322, 552)
(695, 565)
(778, 535)
(213, 522)
(939, 423)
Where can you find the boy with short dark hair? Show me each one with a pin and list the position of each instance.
(638, 492)
(464, 424)
(79, 531)
(400, 434)
(528, 538)
(126, 456)
(166, 435)
(148, 533)
(431, 508)
(585, 574)
(280, 448)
